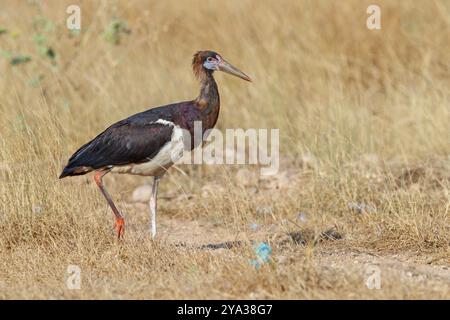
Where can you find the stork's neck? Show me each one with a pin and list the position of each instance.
(208, 100)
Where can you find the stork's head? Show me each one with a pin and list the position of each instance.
(209, 61)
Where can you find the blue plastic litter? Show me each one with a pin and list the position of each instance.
(263, 252)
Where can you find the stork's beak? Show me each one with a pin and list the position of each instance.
(228, 68)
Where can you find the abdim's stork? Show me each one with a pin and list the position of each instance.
(144, 144)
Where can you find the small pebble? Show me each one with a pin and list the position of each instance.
(297, 237)
(331, 235)
(360, 208)
(263, 210)
(142, 193)
(302, 217)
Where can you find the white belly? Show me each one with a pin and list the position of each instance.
(169, 154)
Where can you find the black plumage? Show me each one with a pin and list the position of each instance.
(134, 140)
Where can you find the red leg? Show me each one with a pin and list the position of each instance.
(120, 222)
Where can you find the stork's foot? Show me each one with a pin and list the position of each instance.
(120, 227)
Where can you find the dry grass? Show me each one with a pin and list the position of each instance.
(363, 116)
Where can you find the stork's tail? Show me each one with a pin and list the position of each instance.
(66, 172)
(74, 171)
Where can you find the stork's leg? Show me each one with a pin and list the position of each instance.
(120, 222)
(153, 204)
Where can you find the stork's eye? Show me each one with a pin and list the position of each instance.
(210, 63)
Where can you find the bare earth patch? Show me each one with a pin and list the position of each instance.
(429, 275)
